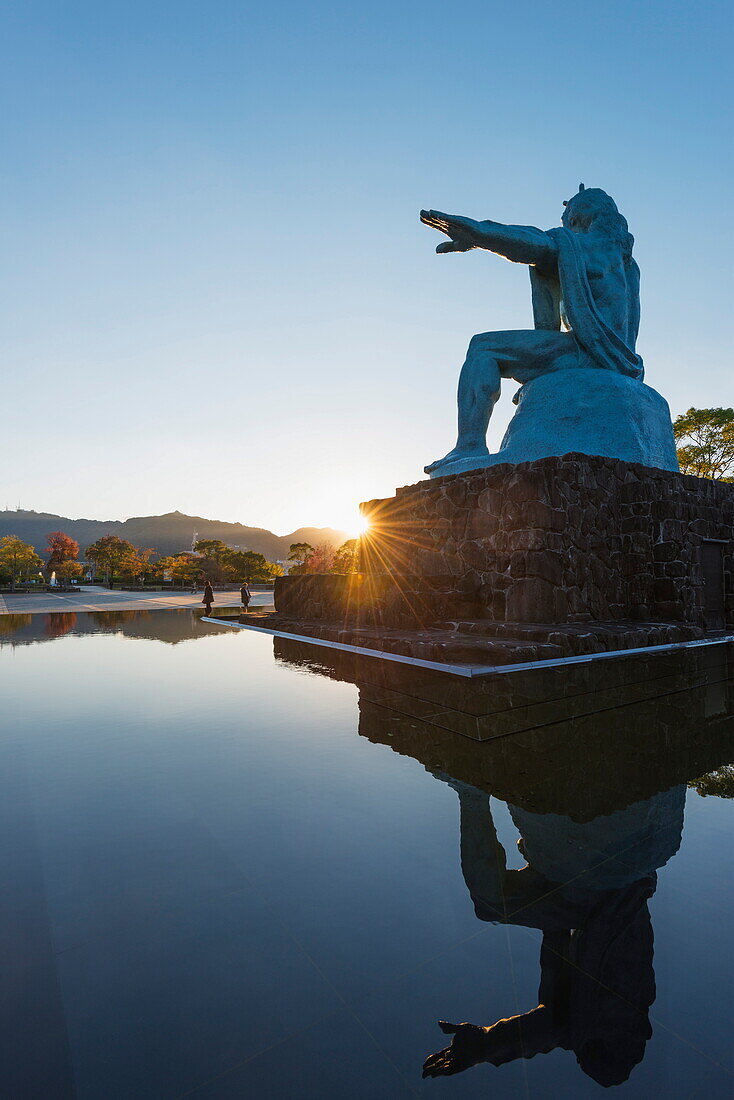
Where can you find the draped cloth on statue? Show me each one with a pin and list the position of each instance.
(566, 291)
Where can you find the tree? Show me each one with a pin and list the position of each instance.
(219, 562)
(719, 782)
(137, 563)
(69, 570)
(251, 566)
(346, 558)
(183, 568)
(707, 436)
(214, 562)
(299, 553)
(60, 548)
(108, 554)
(213, 548)
(320, 560)
(215, 570)
(18, 559)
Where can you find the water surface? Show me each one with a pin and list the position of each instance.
(229, 870)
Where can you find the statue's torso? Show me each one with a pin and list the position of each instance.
(608, 276)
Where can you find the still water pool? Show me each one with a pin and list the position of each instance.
(232, 867)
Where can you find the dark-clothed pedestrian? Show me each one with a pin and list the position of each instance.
(208, 597)
(245, 594)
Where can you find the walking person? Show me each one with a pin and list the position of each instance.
(208, 597)
(194, 587)
(245, 595)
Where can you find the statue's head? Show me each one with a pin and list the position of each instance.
(594, 209)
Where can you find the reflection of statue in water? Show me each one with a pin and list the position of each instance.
(586, 306)
(597, 980)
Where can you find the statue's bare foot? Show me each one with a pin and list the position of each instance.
(478, 452)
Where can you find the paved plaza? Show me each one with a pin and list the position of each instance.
(97, 598)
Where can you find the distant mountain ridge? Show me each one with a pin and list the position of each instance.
(170, 533)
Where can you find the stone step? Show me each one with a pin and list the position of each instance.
(454, 648)
(576, 639)
(491, 628)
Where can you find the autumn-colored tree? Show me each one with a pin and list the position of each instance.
(707, 438)
(59, 624)
(69, 570)
(346, 558)
(137, 563)
(108, 554)
(320, 560)
(183, 568)
(17, 559)
(61, 548)
(12, 624)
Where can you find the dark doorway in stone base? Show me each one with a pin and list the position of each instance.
(712, 567)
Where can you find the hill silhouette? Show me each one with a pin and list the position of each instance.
(168, 534)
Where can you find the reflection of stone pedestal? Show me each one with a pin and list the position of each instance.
(584, 411)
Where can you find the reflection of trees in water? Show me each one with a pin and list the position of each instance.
(719, 783)
(113, 620)
(58, 624)
(11, 624)
(169, 627)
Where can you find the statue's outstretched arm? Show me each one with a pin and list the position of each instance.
(523, 244)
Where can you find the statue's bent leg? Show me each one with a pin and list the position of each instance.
(479, 390)
(491, 356)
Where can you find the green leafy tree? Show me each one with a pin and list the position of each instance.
(706, 438)
(213, 548)
(346, 558)
(251, 566)
(18, 560)
(719, 782)
(220, 562)
(215, 570)
(215, 560)
(299, 554)
(108, 554)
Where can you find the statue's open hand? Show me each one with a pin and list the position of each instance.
(468, 1046)
(458, 228)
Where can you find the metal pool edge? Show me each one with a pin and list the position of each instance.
(469, 671)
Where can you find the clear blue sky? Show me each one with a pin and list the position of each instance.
(215, 291)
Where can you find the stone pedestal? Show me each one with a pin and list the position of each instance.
(586, 411)
(561, 540)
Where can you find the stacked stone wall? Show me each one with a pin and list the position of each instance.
(560, 540)
(568, 539)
